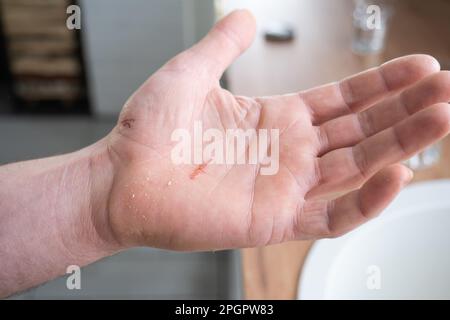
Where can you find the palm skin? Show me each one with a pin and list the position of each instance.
(336, 162)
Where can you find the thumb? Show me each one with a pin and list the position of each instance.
(226, 41)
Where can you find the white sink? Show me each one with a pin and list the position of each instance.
(403, 254)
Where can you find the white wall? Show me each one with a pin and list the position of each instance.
(126, 41)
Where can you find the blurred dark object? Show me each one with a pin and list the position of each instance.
(278, 31)
(44, 57)
(5, 78)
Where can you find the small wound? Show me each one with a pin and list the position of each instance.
(200, 169)
(127, 123)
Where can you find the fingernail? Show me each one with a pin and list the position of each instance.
(410, 176)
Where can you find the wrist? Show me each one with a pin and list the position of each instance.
(54, 214)
(95, 229)
(85, 179)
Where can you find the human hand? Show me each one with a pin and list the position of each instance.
(339, 149)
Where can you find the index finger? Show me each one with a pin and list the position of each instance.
(359, 91)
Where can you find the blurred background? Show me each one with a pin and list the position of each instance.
(62, 89)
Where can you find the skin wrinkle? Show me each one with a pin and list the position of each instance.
(361, 210)
(348, 94)
(219, 118)
(57, 198)
(251, 223)
(139, 143)
(229, 170)
(193, 115)
(316, 176)
(51, 201)
(292, 175)
(329, 207)
(302, 220)
(402, 102)
(96, 222)
(308, 107)
(239, 112)
(217, 98)
(74, 179)
(340, 86)
(399, 142)
(387, 86)
(360, 162)
(273, 221)
(251, 215)
(272, 232)
(323, 140)
(295, 226)
(155, 152)
(46, 192)
(257, 167)
(365, 124)
(301, 229)
(244, 105)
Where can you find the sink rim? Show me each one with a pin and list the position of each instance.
(313, 277)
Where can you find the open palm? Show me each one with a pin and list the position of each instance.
(338, 149)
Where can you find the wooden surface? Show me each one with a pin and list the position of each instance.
(320, 54)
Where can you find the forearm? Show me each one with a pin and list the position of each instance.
(53, 213)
